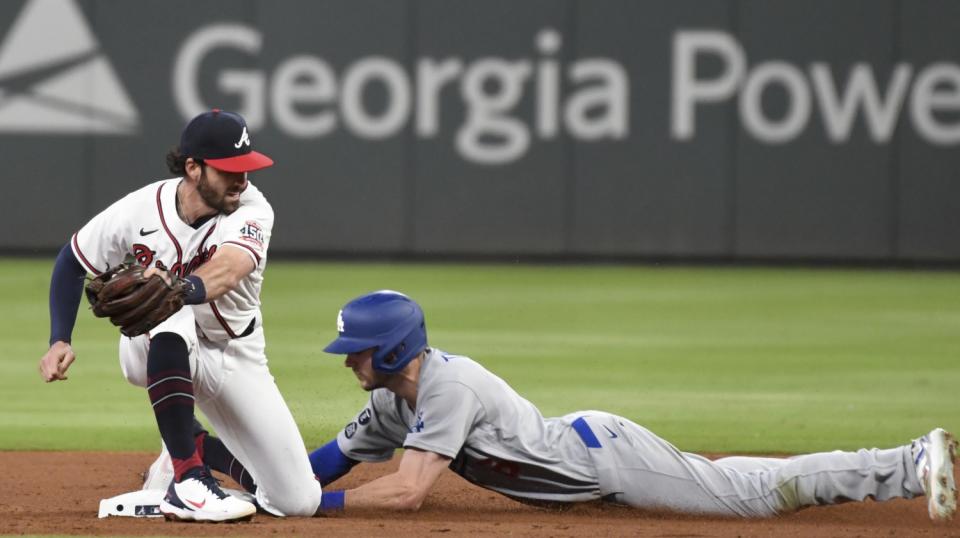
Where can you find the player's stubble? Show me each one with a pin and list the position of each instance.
(226, 198)
(362, 365)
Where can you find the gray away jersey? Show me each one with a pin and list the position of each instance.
(500, 441)
(497, 439)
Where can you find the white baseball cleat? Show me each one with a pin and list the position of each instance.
(160, 473)
(933, 455)
(201, 499)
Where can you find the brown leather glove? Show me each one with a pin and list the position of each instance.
(132, 302)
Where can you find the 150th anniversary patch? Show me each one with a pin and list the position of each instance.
(252, 232)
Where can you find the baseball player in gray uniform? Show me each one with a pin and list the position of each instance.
(448, 411)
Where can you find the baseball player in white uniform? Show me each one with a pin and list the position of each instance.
(448, 411)
(212, 227)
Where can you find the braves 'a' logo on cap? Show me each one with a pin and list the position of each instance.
(244, 138)
(45, 82)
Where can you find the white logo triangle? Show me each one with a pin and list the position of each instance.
(71, 87)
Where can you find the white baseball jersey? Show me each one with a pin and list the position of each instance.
(231, 380)
(144, 223)
(499, 441)
(248, 228)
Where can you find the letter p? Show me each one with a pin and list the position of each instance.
(687, 89)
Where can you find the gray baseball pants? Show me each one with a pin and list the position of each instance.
(637, 468)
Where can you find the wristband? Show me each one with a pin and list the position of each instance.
(331, 501)
(196, 292)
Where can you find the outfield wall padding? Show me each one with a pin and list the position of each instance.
(748, 129)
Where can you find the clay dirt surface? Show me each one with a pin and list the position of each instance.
(60, 492)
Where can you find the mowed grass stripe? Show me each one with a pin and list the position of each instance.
(713, 359)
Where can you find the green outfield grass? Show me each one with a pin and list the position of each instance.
(720, 360)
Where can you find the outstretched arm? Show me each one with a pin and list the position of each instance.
(330, 463)
(66, 287)
(403, 490)
(224, 271)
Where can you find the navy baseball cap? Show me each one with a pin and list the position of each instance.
(222, 140)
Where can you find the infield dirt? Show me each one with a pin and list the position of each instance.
(59, 493)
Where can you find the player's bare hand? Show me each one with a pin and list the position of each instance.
(154, 271)
(56, 361)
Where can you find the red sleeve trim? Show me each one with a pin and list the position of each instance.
(82, 258)
(239, 244)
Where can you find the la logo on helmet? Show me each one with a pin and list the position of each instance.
(340, 321)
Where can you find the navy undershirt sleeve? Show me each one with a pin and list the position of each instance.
(329, 463)
(66, 287)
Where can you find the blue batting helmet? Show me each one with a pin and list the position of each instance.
(386, 320)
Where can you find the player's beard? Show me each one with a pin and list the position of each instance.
(214, 199)
(376, 380)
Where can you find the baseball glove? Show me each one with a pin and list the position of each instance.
(132, 302)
